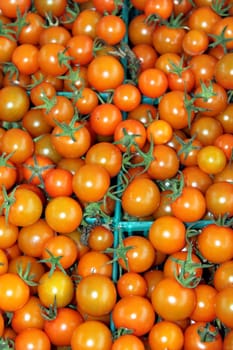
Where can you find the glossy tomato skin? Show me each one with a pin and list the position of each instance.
(14, 292)
(105, 118)
(135, 129)
(91, 335)
(28, 316)
(32, 238)
(9, 8)
(18, 143)
(141, 198)
(190, 206)
(66, 146)
(63, 214)
(8, 233)
(55, 7)
(134, 312)
(131, 283)
(127, 341)
(105, 73)
(60, 329)
(215, 243)
(56, 285)
(172, 108)
(139, 31)
(223, 275)
(58, 182)
(91, 182)
(140, 257)
(63, 247)
(219, 198)
(93, 262)
(36, 269)
(193, 341)
(26, 209)
(107, 155)
(96, 295)
(15, 103)
(172, 301)
(166, 334)
(223, 71)
(48, 59)
(32, 338)
(205, 307)
(167, 234)
(165, 164)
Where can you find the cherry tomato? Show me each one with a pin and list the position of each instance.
(32, 238)
(166, 334)
(60, 329)
(105, 73)
(135, 313)
(111, 29)
(190, 206)
(18, 143)
(167, 234)
(126, 97)
(205, 307)
(25, 58)
(172, 301)
(223, 71)
(53, 59)
(215, 243)
(140, 254)
(26, 208)
(91, 335)
(91, 182)
(74, 143)
(63, 214)
(28, 316)
(14, 292)
(105, 118)
(128, 341)
(32, 338)
(141, 197)
(194, 337)
(58, 182)
(223, 275)
(15, 103)
(211, 159)
(57, 286)
(219, 199)
(9, 8)
(93, 262)
(96, 295)
(152, 82)
(133, 129)
(131, 283)
(160, 8)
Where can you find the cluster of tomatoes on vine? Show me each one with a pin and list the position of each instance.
(121, 111)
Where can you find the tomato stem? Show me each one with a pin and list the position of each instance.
(220, 40)
(70, 129)
(25, 275)
(8, 201)
(72, 10)
(53, 262)
(49, 313)
(187, 276)
(120, 252)
(221, 8)
(186, 146)
(207, 334)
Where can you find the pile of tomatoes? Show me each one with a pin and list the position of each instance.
(116, 174)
